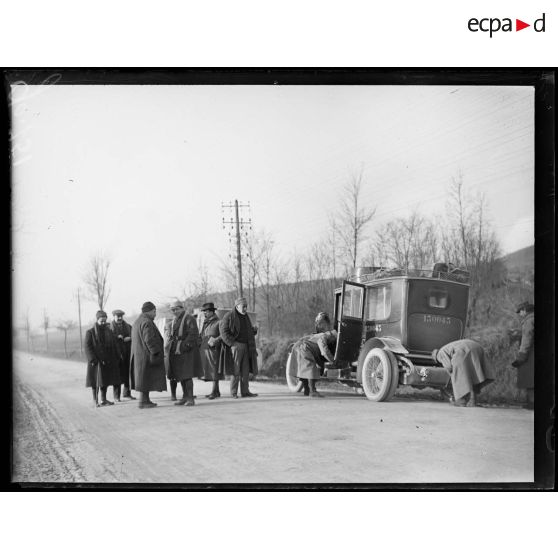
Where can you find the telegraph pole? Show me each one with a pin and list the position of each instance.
(79, 318)
(238, 224)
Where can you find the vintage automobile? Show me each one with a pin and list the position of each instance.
(388, 322)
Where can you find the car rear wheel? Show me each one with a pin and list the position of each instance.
(380, 375)
(293, 383)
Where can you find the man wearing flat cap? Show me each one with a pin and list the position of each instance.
(122, 332)
(210, 348)
(102, 360)
(147, 363)
(238, 353)
(525, 360)
(183, 356)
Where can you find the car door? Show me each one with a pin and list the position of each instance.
(350, 320)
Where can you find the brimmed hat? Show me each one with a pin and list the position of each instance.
(240, 300)
(118, 312)
(100, 314)
(177, 304)
(527, 306)
(208, 306)
(147, 307)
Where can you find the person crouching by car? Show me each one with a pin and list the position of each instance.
(238, 351)
(311, 353)
(210, 348)
(469, 368)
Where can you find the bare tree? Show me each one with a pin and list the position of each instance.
(65, 326)
(351, 219)
(407, 243)
(46, 322)
(96, 279)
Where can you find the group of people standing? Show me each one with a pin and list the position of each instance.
(142, 359)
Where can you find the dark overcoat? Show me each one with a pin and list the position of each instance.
(229, 328)
(469, 367)
(526, 355)
(102, 357)
(147, 364)
(311, 353)
(184, 360)
(210, 355)
(124, 348)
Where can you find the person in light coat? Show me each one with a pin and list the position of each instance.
(469, 369)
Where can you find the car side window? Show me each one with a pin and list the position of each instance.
(352, 302)
(378, 302)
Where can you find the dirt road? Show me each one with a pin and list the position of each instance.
(278, 437)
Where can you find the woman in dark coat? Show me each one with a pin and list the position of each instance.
(102, 359)
(184, 361)
(210, 349)
(147, 363)
(525, 361)
(310, 354)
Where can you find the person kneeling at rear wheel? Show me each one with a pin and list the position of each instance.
(469, 368)
(311, 353)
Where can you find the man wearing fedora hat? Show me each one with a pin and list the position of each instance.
(238, 352)
(122, 332)
(210, 348)
(525, 360)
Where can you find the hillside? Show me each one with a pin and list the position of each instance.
(520, 261)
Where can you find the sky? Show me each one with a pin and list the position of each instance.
(140, 173)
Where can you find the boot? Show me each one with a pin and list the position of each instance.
(306, 387)
(116, 393)
(173, 384)
(145, 402)
(472, 399)
(128, 393)
(188, 387)
(313, 391)
(104, 402)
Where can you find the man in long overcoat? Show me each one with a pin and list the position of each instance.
(184, 361)
(210, 348)
(469, 368)
(102, 359)
(238, 351)
(147, 363)
(525, 360)
(122, 332)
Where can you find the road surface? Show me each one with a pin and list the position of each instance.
(278, 437)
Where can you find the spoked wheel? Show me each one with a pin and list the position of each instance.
(293, 383)
(380, 375)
